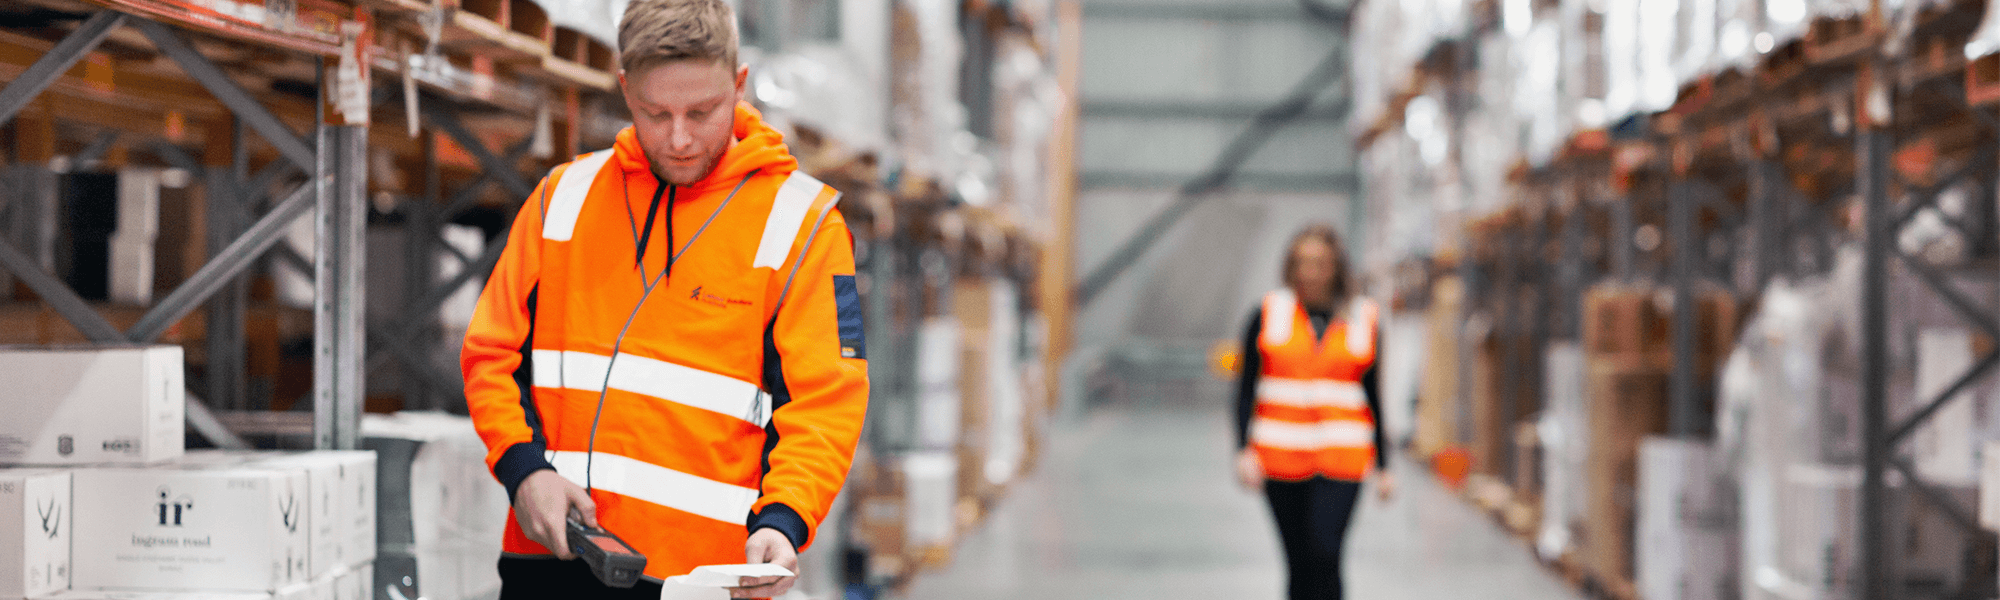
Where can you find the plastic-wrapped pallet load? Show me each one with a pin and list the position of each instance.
(1565, 446)
(440, 513)
(1686, 542)
(93, 405)
(930, 482)
(938, 418)
(189, 526)
(1986, 40)
(35, 525)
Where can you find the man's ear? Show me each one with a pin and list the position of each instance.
(742, 77)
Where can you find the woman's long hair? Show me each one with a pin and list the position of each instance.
(1343, 283)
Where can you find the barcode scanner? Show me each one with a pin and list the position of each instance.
(613, 561)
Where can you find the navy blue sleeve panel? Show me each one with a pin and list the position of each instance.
(1248, 367)
(783, 519)
(847, 305)
(523, 459)
(520, 461)
(1371, 389)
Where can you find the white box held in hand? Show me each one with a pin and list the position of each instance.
(92, 405)
(191, 527)
(35, 521)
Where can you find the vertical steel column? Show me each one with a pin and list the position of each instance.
(1623, 253)
(1683, 415)
(420, 231)
(1571, 276)
(1767, 224)
(229, 203)
(338, 263)
(1872, 150)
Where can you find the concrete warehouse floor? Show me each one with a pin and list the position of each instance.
(1135, 500)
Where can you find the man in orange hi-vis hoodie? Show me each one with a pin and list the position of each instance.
(671, 344)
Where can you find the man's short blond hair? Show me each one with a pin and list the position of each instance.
(661, 31)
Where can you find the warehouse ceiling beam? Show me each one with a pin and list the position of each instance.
(1219, 175)
(58, 60)
(239, 102)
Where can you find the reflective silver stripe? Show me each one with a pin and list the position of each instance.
(1280, 307)
(1361, 327)
(682, 385)
(1287, 435)
(634, 478)
(567, 201)
(1311, 393)
(788, 213)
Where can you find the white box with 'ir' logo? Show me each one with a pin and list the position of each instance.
(187, 526)
(34, 532)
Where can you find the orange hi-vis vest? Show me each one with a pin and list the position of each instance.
(1312, 415)
(731, 398)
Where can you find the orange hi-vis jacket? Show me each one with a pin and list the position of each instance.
(1312, 416)
(739, 386)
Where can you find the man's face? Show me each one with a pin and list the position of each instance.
(684, 113)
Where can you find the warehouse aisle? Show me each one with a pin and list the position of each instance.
(1135, 501)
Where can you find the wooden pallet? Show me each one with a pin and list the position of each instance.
(577, 59)
(510, 31)
(1841, 41)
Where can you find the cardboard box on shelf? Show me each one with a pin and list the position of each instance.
(94, 405)
(1438, 394)
(1625, 407)
(35, 530)
(190, 526)
(1686, 538)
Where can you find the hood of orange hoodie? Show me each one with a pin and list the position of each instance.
(758, 148)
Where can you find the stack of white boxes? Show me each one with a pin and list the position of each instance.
(1686, 538)
(442, 514)
(114, 508)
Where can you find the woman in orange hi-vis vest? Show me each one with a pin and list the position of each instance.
(670, 347)
(1306, 409)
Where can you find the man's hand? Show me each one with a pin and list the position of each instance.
(767, 545)
(542, 504)
(1249, 470)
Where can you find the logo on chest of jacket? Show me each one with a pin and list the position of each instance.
(717, 301)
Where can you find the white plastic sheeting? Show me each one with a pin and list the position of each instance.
(1788, 381)
(1986, 40)
(595, 18)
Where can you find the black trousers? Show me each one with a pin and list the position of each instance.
(1312, 520)
(540, 578)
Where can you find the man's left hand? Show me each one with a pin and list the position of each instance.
(767, 545)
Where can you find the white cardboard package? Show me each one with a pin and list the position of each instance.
(1686, 540)
(323, 589)
(340, 500)
(34, 532)
(191, 527)
(97, 405)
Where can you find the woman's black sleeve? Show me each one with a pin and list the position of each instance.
(1248, 367)
(1373, 391)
